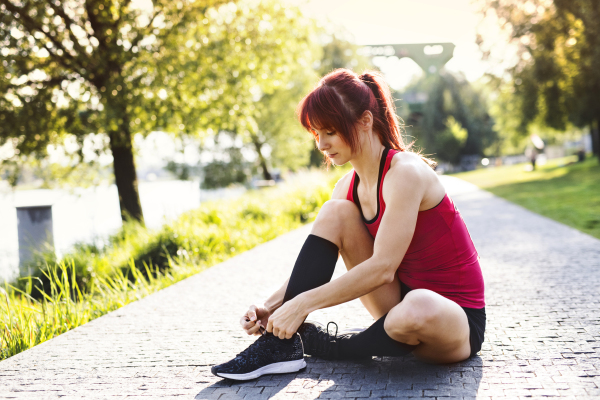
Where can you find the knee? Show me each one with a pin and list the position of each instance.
(337, 212)
(418, 310)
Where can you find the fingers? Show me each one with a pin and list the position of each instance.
(250, 322)
(246, 323)
(279, 333)
(254, 330)
(282, 334)
(252, 312)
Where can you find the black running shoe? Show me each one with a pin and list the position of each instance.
(268, 355)
(318, 342)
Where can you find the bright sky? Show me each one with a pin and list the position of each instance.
(407, 21)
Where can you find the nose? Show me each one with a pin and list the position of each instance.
(322, 143)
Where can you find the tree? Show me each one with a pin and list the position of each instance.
(556, 79)
(453, 120)
(278, 127)
(283, 55)
(272, 123)
(105, 66)
(79, 67)
(340, 53)
(219, 173)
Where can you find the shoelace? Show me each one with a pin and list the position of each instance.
(336, 329)
(322, 344)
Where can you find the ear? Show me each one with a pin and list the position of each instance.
(366, 120)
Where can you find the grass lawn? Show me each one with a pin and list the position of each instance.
(565, 191)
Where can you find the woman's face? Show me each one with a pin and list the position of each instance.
(331, 143)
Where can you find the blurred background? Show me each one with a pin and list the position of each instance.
(140, 110)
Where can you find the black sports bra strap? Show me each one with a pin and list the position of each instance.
(382, 163)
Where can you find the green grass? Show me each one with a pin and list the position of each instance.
(136, 262)
(563, 190)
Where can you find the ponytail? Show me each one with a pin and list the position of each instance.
(388, 126)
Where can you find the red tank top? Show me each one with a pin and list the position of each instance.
(441, 256)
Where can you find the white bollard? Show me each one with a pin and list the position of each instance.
(35, 234)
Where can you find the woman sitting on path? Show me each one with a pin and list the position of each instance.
(409, 255)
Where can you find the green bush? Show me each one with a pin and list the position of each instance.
(222, 173)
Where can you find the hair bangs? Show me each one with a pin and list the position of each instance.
(324, 109)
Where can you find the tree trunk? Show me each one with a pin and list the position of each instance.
(121, 146)
(263, 163)
(595, 134)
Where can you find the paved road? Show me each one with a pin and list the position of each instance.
(542, 338)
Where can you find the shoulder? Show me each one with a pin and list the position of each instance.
(340, 191)
(410, 167)
(408, 170)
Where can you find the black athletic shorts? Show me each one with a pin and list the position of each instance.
(475, 317)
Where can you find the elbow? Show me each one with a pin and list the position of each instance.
(389, 273)
(387, 269)
(388, 277)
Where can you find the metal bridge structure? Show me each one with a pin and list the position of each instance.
(431, 57)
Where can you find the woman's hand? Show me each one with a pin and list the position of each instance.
(254, 319)
(287, 319)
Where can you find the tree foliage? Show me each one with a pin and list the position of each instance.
(78, 67)
(106, 66)
(556, 78)
(269, 119)
(339, 52)
(220, 173)
(277, 126)
(453, 121)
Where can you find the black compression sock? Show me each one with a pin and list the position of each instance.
(314, 266)
(374, 341)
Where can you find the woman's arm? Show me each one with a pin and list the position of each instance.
(339, 192)
(276, 299)
(392, 241)
(251, 322)
(393, 238)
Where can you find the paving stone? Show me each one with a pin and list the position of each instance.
(542, 336)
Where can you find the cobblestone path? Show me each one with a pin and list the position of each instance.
(542, 339)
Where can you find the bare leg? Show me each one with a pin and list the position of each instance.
(340, 222)
(436, 324)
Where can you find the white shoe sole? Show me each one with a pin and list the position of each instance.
(275, 368)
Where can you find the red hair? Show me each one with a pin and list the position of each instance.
(341, 98)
